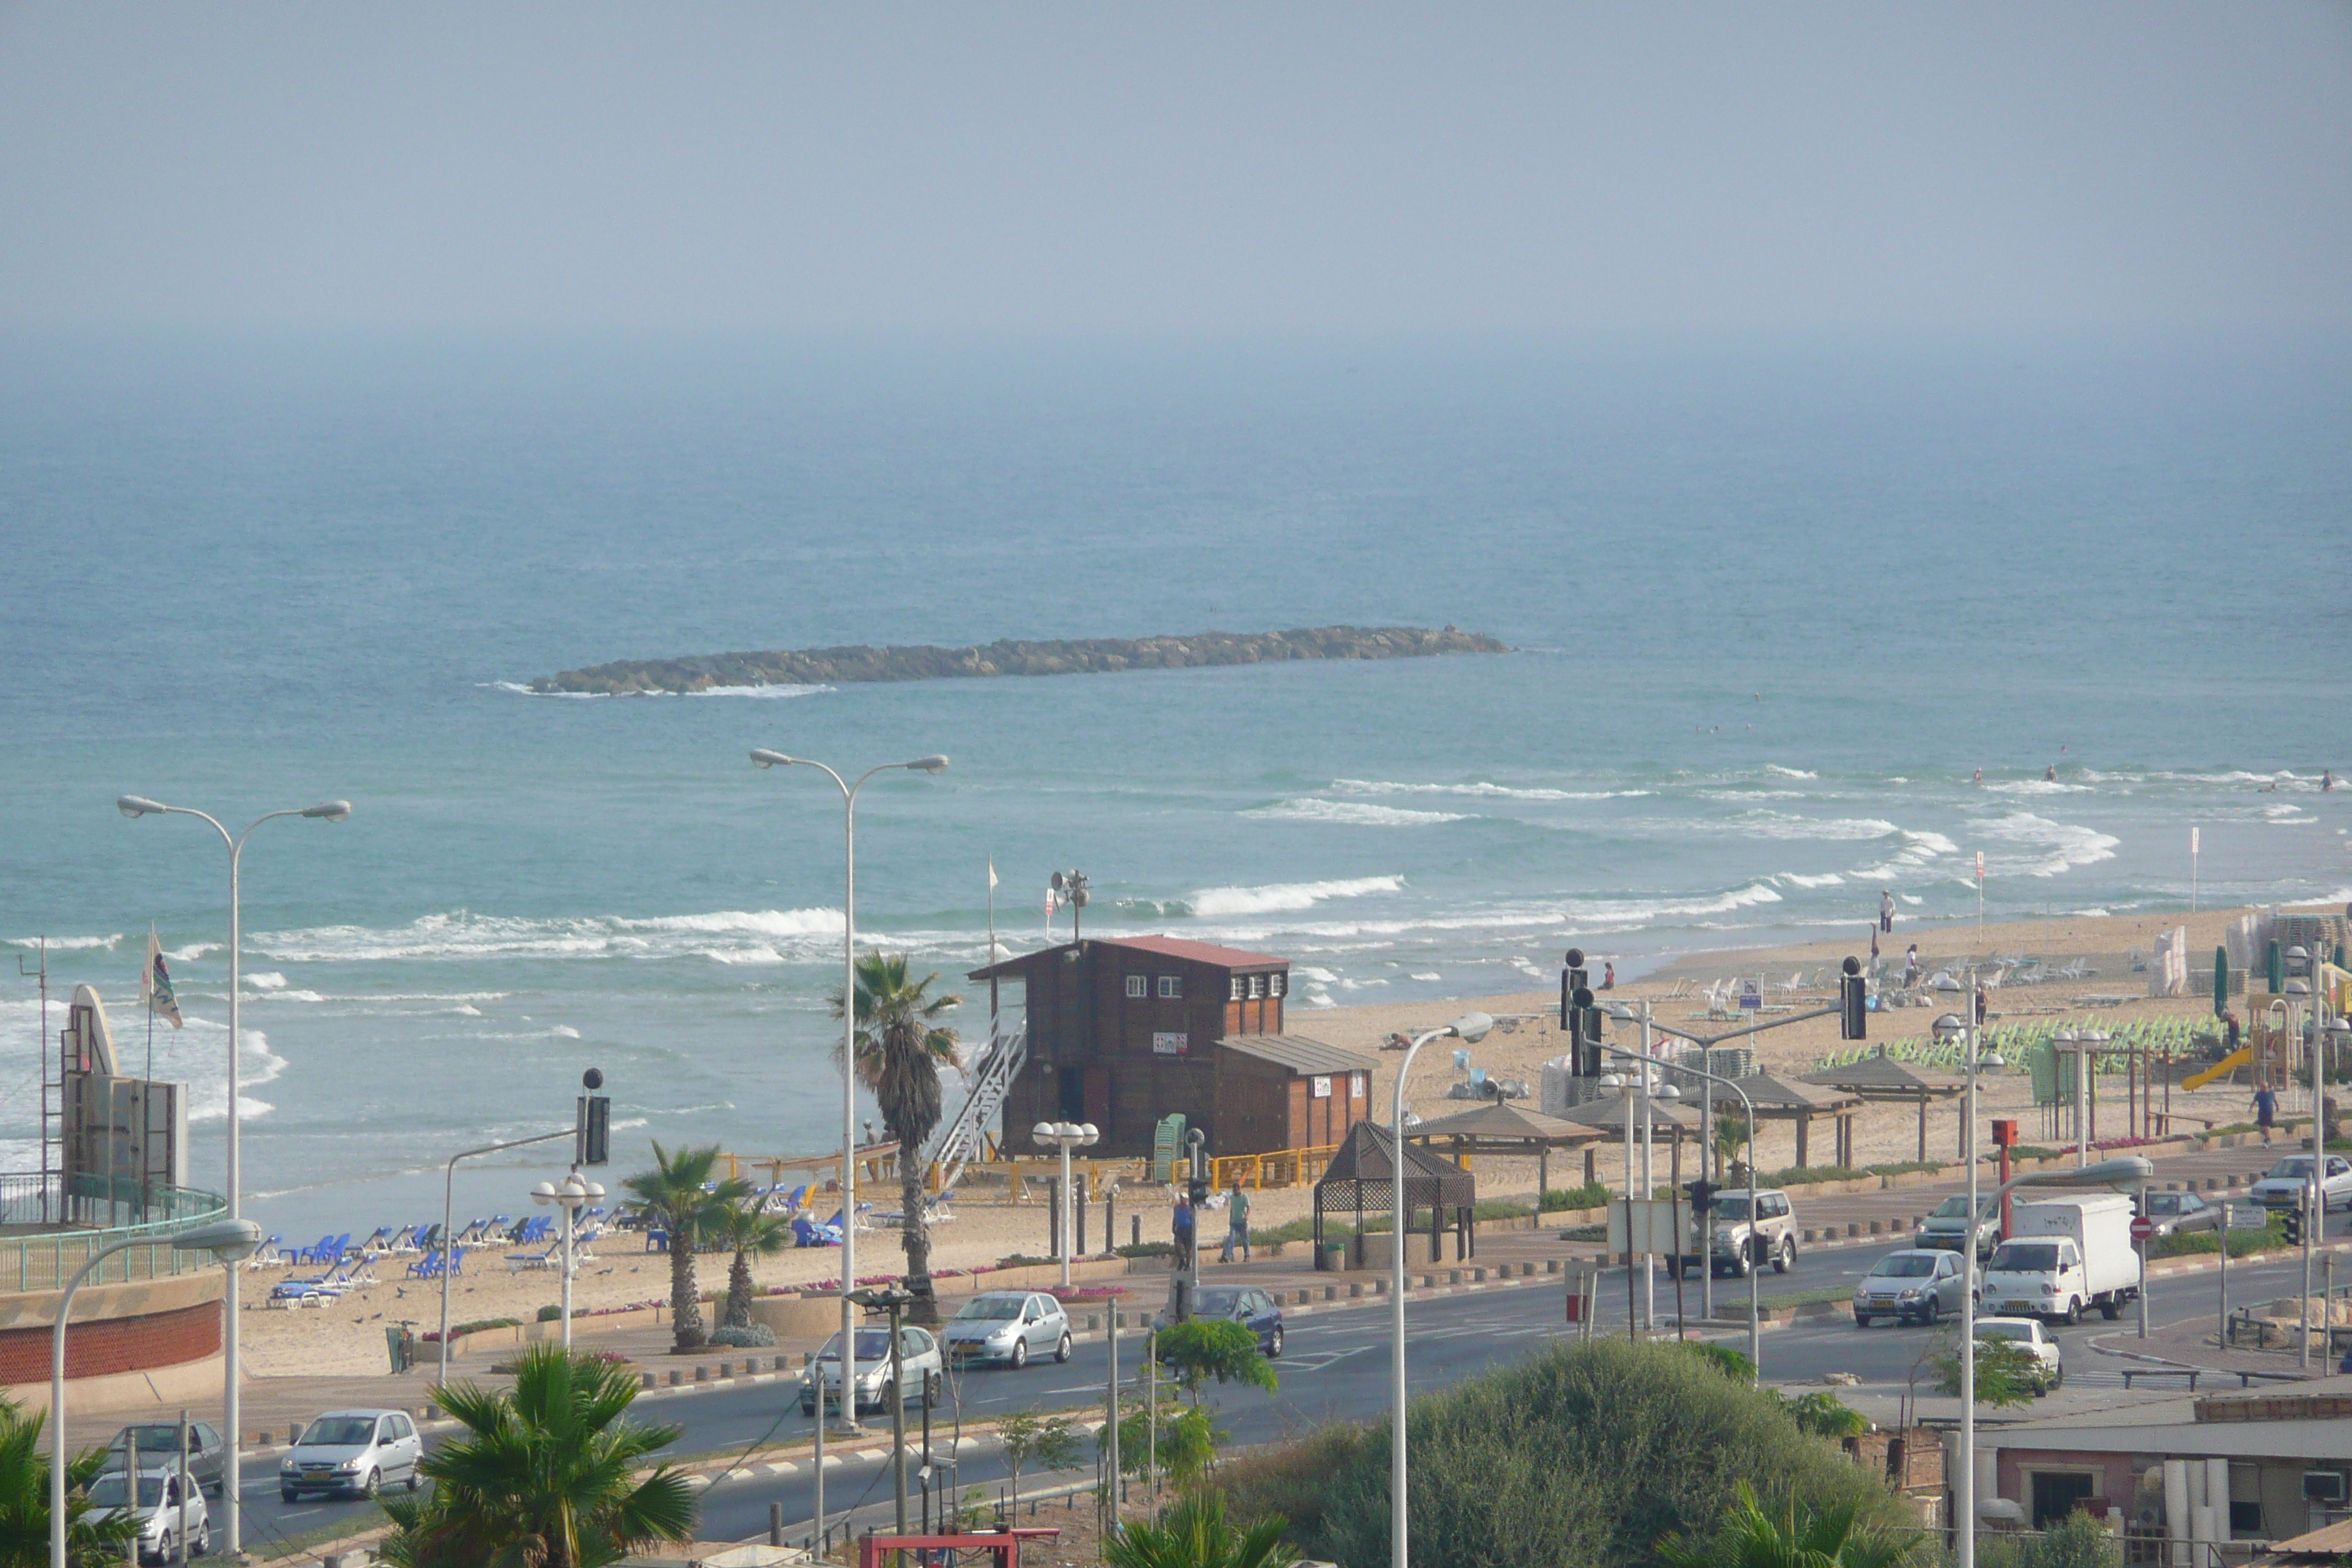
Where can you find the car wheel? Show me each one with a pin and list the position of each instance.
(1933, 1311)
(2111, 1311)
(1742, 1264)
(1785, 1259)
(415, 1480)
(2073, 1311)
(1062, 1350)
(370, 1486)
(809, 1410)
(933, 1381)
(202, 1546)
(2058, 1378)
(1273, 1344)
(1862, 1320)
(1019, 1355)
(286, 1495)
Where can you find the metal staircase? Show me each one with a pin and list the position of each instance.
(960, 1140)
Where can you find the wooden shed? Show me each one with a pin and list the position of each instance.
(1122, 1031)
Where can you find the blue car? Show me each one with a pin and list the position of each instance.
(1234, 1304)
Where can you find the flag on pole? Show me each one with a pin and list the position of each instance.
(991, 873)
(156, 985)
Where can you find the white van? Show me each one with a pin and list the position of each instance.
(2064, 1254)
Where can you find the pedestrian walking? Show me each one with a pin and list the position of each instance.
(1179, 1225)
(1911, 966)
(2265, 1109)
(1885, 909)
(1236, 1223)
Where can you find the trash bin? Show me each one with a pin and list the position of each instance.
(1335, 1258)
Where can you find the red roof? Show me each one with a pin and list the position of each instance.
(1163, 946)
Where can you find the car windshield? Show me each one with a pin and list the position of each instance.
(2026, 1256)
(1905, 1266)
(1731, 1208)
(2005, 1331)
(988, 1307)
(873, 1345)
(152, 1440)
(1219, 1303)
(2296, 1166)
(2164, 1203)
(1957, 1207)
(109, 1490)
(340, 1432)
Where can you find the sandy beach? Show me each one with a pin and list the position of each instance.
(347, 1337)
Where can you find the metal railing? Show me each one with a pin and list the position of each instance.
(1278, 1168)
(46, 1259)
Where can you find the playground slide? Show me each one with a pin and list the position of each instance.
(2221, 1068)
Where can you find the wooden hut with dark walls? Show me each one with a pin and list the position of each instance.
(1123, 1031)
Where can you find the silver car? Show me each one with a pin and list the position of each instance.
(1916, 1284)
(1947, 1226)
(354, 1453)
(920, 1370)
(1008, 1326)
(161, 1509)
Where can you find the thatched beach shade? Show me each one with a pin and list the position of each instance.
(1785, 1099)
(1669, 1119)
(1496, 1128)
(1881, 1077)
(1361, 1178)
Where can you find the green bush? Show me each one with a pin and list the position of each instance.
(1904, 1167)
(551, 1313)
(749, 1336)
(2205, 1243)
(2076, 1541)
(1591, 1196)
(1582, 1456)
(1810, 1175)
(1147, 1249)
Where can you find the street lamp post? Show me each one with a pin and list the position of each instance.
(931, 764)
(891, 1300)
(1470, 1029)
(1065, 1136)
(230, 1241)
(574, 1193)
(134, 805)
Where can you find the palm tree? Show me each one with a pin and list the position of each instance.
(748, 1231)
(900, 1044)
(1755, 1537)
(678, 1193)
(1195, 1535)
(544, 1477)
(25, 1500)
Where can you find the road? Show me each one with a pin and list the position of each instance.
(1335, 1366)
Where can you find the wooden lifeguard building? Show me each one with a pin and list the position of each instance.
(1123, 1031)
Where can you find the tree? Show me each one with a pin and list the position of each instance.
(900, 1044)
(2005, 1373)
(1199, 1349)
(1187, 1444)
(748, 1231)
(1789, 1536)
(545, 1475)
(2078, 1541)
(678, 1191)
(25, 1500)
(1730, 1132)
(1032, 1438)
(1195, 1535)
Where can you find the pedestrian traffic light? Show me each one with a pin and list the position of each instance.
(1702, 1196)
(1854, 1003)
(592, 1125)
(1572, 979)
(1584, 1033)
(2293, 1222)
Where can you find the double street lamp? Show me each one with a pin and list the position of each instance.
(1470, 1029)
(931, 764)
(574, 1193)
(135, 806)
(1065, 1136)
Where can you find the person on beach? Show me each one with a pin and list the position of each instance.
(1608, 974)
(1179, 1225)
(1984, 1000)
(1885, 909)
(2050, 773)
(2265, 1109)
(2326, 780)
(2230, 1031)
(1911, 967)
(1237, 1224)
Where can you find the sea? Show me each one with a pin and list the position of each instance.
(1773, 604)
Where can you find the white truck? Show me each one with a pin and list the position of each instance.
(2063, 1255)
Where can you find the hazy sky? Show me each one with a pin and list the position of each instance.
(1176, 167)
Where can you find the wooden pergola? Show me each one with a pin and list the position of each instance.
(1361, 1178)
(1497, 1128)
(1670, 1118)
(1778, 1099)
(1881, 1077)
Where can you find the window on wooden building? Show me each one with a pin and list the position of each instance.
(1238, 991)
(1257, 986)
(1277, 984)
(1171, 987)
(1139, 985)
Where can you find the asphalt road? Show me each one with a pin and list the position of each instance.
(1335, 1366)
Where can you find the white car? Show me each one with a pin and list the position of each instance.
(353, 1453)
(921, 1371)
(2285, 1185)
(160, 1511)
(2028, 1335)
(1008, 1326)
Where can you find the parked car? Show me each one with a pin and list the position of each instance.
(1008, 1326)
(2029, 1336)
(159, 1447)
(159, 1509)
(356, 1453)
(1949, 1224)
(1254, 1307)
(1918, 1284)
(2177, 1211)
(2283, 1185)
(1752, 1228)
(921, 1371)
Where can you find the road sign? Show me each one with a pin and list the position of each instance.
(2142, 1228)
(2247, 1217)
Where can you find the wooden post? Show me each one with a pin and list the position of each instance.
(1804, 1125)
(1923, 1128)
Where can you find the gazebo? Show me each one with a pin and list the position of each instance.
(1672, 1119)
(1781, 1099)
(1361, 1180)
(1881, 1077)
(1497, 1128)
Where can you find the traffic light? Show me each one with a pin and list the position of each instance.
(2292, 1220)
(1854, 1006)
(1584, 1033)
(1702, 1196)
(1572, 979)
(594, 1122)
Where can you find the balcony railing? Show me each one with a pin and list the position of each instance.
(52, 1228)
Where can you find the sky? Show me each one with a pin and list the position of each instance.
(1193, 169)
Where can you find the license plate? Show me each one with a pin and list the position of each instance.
(2017, 1307)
